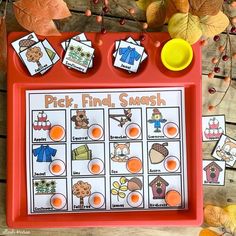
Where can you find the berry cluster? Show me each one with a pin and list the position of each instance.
(106, 8)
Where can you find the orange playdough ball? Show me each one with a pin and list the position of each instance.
(133, 132)
(96, 200)
(135, 198)
(95, 168)
(57, 202)
(173, 198)
(171, 164)
(56, 168)
(96, 132)
(57, 133)
(171, 130)
(134, 165)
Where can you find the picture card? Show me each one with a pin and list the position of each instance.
(25, 42)
(78, 56)
(225, 150)
(36, 58)
(51, 53)
(130, 40)
(213, 172)
(213, 127)
(79, 37)
(128, 56)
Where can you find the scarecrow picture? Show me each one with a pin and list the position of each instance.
(157, 119)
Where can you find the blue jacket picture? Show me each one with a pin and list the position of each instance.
(129, 55)
(44, 153)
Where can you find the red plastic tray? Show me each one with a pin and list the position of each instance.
(103, 75)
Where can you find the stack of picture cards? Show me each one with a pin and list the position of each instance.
(38, 56)
(129, 54)
(224, 152)
(79, 53)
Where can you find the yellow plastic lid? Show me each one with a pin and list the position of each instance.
(176, 54)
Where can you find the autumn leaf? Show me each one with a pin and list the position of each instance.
(38, 15)
(46, 9)
(230, 225)
(156, 14)
(208, 232)
(185, 26)
(39, 26)
(212, 25)
(205, 7)
(215, 216)
(143, 4)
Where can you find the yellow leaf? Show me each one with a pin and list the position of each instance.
(114, 192)
(205, 7)
(143, 4)
(231, 224)
(156, 14)
(123, 188)
(122, 195)
(215, 216)
(212, 25)
(116, 185)
(208, 232)
(185, 26)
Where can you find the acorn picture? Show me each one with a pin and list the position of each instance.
(158, 152)
(134, 184)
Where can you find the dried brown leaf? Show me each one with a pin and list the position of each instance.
(44, 27)
(156, 14)
(215, 216)
(174, 6)
(205, 7)
(44, 9)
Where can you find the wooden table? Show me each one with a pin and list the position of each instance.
(221, 195)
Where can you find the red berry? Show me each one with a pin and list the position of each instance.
(214, 60)
(217, 69)
(211, 75)
(211, 90)
(99, 19)
(211, 107)
(216, 38)
(142, 37)
(105, 9)
(122, 21)
(88, 12)
(145, 25)
(233, 29)
(131, 11)
(103, 30)
(157, 44)
(225, 58)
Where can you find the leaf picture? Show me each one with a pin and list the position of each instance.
(156, 13)
(212, 25)
(38, 15)
(185, 26)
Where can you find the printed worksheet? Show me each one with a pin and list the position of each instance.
(96, 150)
